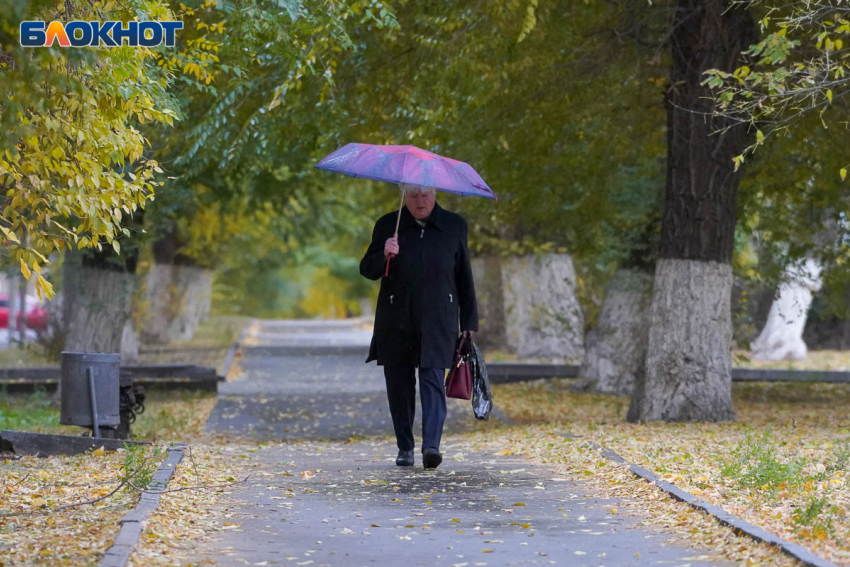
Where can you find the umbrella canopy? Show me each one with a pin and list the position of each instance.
(407, 164)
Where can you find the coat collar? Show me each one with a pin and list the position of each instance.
(435, 219)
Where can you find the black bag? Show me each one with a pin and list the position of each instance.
(482, 397)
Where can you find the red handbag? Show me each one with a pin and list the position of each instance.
(459, 381)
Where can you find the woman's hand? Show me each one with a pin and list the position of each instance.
(468, 333)
(391, 247)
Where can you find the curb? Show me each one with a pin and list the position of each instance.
(738, 525)
(132, 523)
(510, 372)
(230, 357)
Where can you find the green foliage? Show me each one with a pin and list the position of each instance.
(573, 165)
(791, 208)
(140, 464)
(755, 463)
(799, 67)
(812, 513)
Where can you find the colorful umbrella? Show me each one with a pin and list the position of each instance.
(408, 165)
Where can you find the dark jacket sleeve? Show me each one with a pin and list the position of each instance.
(374, 262)
(465, 286)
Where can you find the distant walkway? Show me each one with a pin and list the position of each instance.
(339, 500)
(308, 380)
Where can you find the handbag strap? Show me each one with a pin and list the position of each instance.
(460, 344)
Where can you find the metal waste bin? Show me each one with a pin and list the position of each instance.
(90, 384)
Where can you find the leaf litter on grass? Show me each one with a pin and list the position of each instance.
(36, 487)
(35, 530)
(783, 465)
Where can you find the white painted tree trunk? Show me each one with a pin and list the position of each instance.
(96, 305)
(688, 372)
(543, 318)
(176, 299)
(192, 293)
(129, 344)
(489, 295)
(615, 350)
(156, 302)
(782, 335)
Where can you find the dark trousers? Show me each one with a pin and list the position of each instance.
(401, 391)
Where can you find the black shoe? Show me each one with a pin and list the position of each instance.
(431, 458)
(404, 459)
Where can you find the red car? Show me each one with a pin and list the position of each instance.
(36, 314)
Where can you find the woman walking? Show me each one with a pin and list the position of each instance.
(426, 295)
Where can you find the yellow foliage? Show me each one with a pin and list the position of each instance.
(325, 297)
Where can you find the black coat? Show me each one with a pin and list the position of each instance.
(428, 287)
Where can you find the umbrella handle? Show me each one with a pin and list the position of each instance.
(397, 221)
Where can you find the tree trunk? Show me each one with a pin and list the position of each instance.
(13, 304)
(177, 298)
(782, 335)
(688, 365)
(489, 294)
(177, 294)
(157, 301)
(615, 350)
(191, 295)
(129, 344)
(96, 305)
(543, 318)
(22, 309)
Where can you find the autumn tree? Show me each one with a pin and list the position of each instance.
(254, 98)
(73, 166)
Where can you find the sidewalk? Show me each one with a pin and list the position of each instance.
(321, 499)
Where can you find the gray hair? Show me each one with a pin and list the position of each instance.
(409, 187)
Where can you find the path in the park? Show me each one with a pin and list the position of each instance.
(336, 498)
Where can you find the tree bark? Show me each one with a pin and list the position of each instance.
(782, 335)
(615, 350)
(688, 366)
(191, 295)
(96, 305)
(13, 303)
(543, 318)
(177, 294)
(129, 344)
(22, 309)
(688, 363)
(489, 293)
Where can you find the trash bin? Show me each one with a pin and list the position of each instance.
(90, 384)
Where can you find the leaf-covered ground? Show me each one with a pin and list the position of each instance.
(36, 487)
(34, 531)
(185, 519)
(783, 465)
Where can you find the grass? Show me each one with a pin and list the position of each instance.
(217, 331)
(817, 360)
(784, 464)
(174, 416)
(31, 413)
(214, 336)
(168, 416)
(25, 356)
